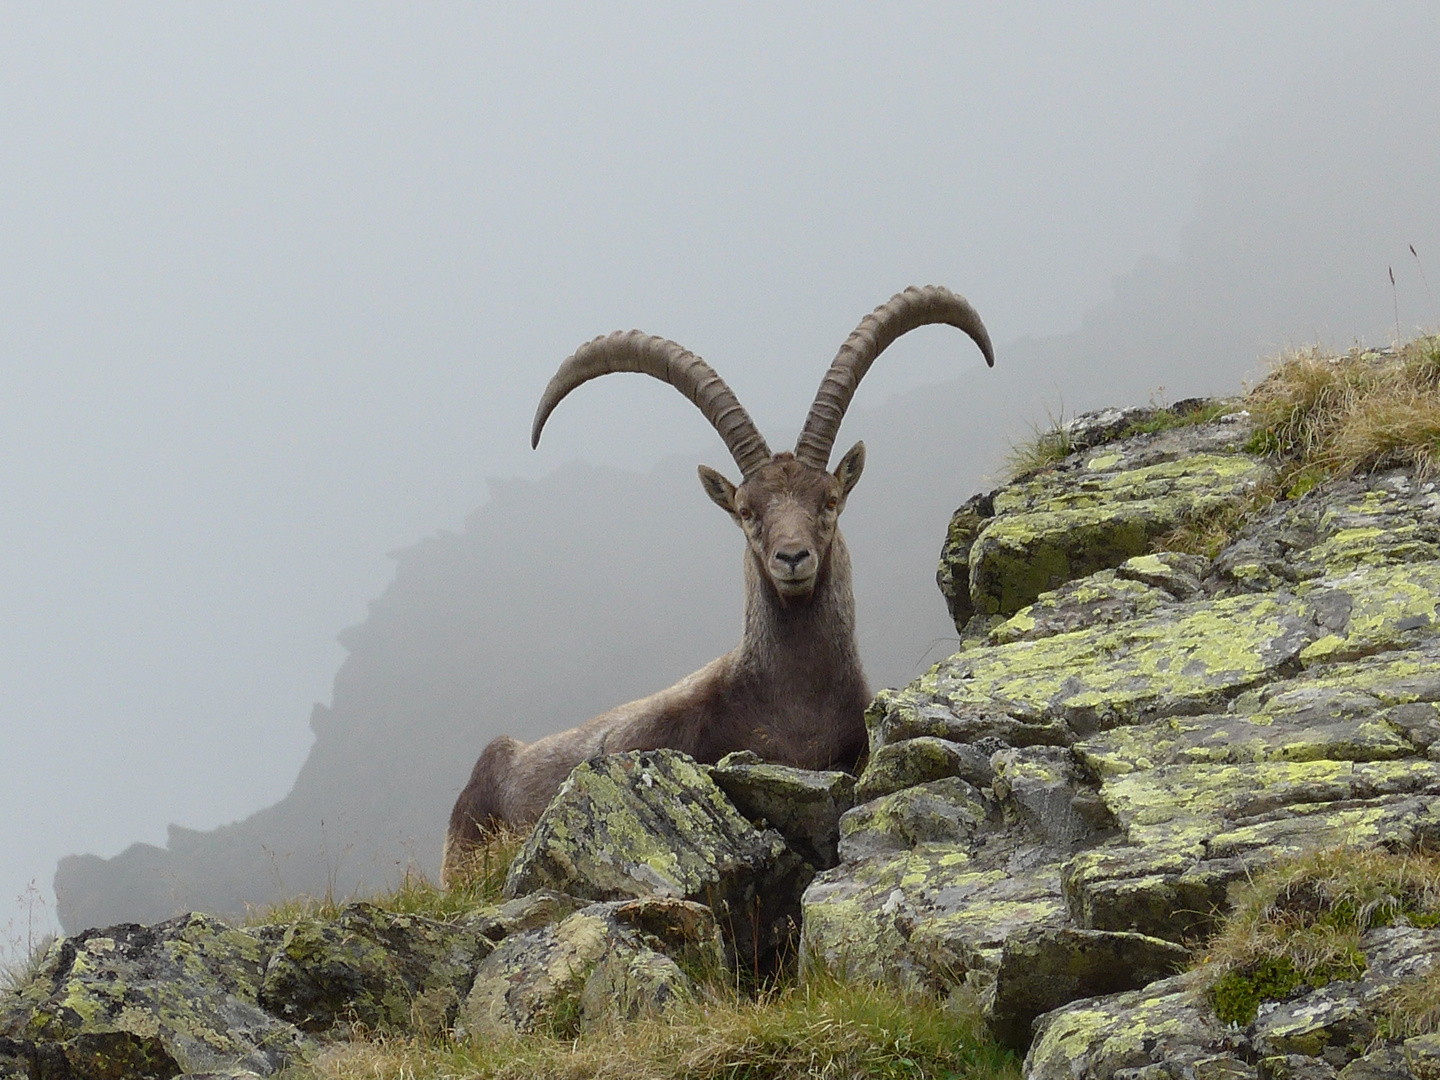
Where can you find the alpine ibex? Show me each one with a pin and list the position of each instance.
(793, 690)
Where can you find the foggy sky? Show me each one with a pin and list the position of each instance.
(279, 289)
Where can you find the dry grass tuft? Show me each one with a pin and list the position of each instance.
(1045, 447)
(1355, 413)
(1211, 532)
(479, 881)
(1413, 1007)
(1299, 924)
(825, 1029)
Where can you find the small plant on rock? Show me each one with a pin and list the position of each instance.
(1298, 925)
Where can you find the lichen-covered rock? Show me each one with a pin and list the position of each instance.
(1156, 726)
(804, 806)
(653, 823)
(1045, 967)
(178, 997)
(1188, 660)
(904, 764)
(1067, 524)
(953, 577)
(944, 811)
(1166, 1026)
(1341, 1028)
(529, 912)
(372, 967)
(927, 918)
(1044, 789)
(1115, 496)
(610, 961)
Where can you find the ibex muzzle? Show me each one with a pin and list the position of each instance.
(793, 690)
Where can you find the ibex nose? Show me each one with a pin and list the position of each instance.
(793, 559)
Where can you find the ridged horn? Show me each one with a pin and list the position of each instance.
(630, 350)
(902, 313)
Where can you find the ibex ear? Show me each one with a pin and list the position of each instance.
(720, 490)
(850, 467)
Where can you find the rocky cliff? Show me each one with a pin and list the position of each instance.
(1183, 660)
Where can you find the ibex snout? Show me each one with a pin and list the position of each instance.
(793, 570)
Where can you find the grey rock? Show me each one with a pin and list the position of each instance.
(180, 996)
(607, 962)
(376, 968)
(1046, 967)
(804, 806)
(653, 823)
(908, 762)
(945, 811)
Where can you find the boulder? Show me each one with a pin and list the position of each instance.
(1342, 1028)
(903, 764)
(149, 1001)
(653, 823)
(804, 806)
(610, 961)
(1067, 524)
(1045, 967)
(1155, 726)
(376, 968)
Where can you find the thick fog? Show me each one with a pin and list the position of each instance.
(279, 289)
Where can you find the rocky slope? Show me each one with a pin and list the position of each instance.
(1048, 821)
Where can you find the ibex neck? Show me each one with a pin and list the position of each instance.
(805, 639)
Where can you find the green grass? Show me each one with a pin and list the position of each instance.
(1045, 447)
(1168, 419)
(1299, 925)
(823, 1029)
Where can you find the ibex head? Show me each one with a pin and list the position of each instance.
(787, 504)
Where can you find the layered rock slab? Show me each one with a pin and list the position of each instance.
(803, 805)
(380, 969)
(1152, 729)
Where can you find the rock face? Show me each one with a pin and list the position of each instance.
(1054, 811)
(179, 997)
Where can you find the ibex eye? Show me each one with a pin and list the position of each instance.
(831, 503)
(745, 513)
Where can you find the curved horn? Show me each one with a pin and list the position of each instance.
(630, 350)
(903, 313)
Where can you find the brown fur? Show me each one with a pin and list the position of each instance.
(793, 690)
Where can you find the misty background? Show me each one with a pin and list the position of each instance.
(280, 287)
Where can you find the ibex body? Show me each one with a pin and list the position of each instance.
(793, 690)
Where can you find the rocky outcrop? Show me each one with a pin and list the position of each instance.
(196, 996)
(608, 962)
(1048, 821)
(1055, 811)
